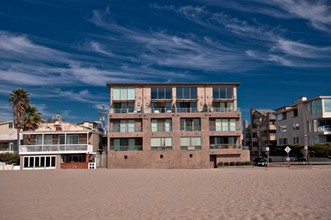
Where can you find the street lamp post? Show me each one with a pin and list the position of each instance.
(306, 148)
(267, 149)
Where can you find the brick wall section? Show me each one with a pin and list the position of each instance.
(74, 165)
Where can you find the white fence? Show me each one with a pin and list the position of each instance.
(4, 166)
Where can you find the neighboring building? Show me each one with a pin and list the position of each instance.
(178, 125)
(261, 133)
(305, 122)
(8, 137)
(60, 145)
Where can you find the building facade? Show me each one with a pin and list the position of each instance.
(8, 137)
(305, 122)
(179, 125)
(60, 145)
(261, 132)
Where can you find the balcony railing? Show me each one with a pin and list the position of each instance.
(162, 148)
(324, 128)
(190, 128)
(126, 148)
(55, 148)
(220, 128)
(125, 130)
(171, 110)
(225, 146)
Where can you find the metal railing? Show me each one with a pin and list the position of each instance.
(221, 128)
(135, 129)
(161, 148)
(126, 148)
(55, 148)
(172, 110)
(225, 146)
(190, 128)
(324, 128)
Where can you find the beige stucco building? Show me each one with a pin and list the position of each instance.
(305, 122)
(174, 125)
(60, 145)
(8, 137)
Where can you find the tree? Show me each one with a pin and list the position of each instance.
(21, 102)
(31, 122)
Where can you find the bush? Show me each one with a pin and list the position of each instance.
(220, 164)
(226, 163)
(248, 163)
(9, 158)
(238, 163)
(232, 163)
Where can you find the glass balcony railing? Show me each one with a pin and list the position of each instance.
(126, 148)
(190, 128)
(221, 128)
(55, 148)
(324, 128)
(171, 110)
(125, 130)
(225, 146)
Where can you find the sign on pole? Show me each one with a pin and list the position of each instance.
(287, 149)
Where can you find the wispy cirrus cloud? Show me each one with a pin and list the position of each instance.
(271, 44)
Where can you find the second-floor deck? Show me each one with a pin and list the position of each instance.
(55, 149)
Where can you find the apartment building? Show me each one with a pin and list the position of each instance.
(305, 122)
(261, 132)
(178, 125)
(60, 145)
(8, 137)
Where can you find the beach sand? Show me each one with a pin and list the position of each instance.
(225, 193)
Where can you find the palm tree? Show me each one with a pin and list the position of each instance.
(31, 122)
(21, 102)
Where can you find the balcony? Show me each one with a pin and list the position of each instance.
(190, 128)
(220, 128)
(325, 129)
(126, 130)
(225, 146)
(126, 148)
(55, 149)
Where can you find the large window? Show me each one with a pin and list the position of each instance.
(39, 162)
(316, 106)
(123, 107)
(327, 105)
(123, 93)
(223, 93)
(161, 93)
(124, 126)
(190, 143)
(222, 107)
(190, 124)
(187, 92)
(162, 143)
(223, 142)
(70, 139)
(126, 144)
(225, 125)
(159, 125)
(186, 106)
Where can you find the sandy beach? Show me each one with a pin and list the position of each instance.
(226, 193)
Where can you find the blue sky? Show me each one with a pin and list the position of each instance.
(64, 52)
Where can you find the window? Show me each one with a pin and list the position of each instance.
(225, 125)
(123, 107)
(223, 92)
(48, 139)
(186, 106)
(327, 105)
(223, 107)
(125, 144)
(223, 142)
(186, 92)
(295, 126)
(190, 124)
(161, 93)
(123, 93)
(159, 125)
(190, 143)
(124, 126)
(72, 158)
(70, 139)
(316, 106)
(39, 162)
(10, 125)
(282, 141)
(158, 107)
(282, 116)
(295, 112)
(163, 143)
(283, 128)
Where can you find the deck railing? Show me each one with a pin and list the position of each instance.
(55, 148)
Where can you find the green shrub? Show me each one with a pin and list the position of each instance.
(226, 163)
(238, 163)
(9, 158)
(232, 163)
(220, 164)
(247, 163)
